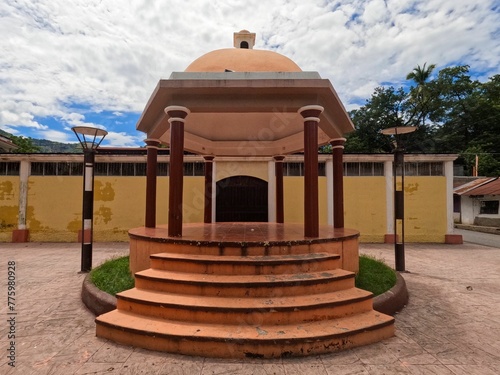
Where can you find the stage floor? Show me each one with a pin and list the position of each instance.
(242, 232)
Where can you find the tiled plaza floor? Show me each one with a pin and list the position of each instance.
(451, 325)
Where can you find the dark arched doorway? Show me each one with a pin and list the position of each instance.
(241, 198)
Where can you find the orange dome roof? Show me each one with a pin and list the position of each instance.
(243, 60)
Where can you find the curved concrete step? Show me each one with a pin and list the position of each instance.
(280, 310)
(244, 285)
(263, 341)
(245, 265)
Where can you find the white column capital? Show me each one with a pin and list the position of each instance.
(172, 108)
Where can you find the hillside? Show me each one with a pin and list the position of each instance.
(46, 146)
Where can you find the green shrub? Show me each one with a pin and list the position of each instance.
(374, 275)
(113, 276)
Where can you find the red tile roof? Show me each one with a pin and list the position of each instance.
(481, 186)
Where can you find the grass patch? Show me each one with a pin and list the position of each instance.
(374, 275)
(113, 276)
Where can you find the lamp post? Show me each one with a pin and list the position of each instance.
(90, 138)
(398, 168)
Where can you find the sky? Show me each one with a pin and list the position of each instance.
(65, 63)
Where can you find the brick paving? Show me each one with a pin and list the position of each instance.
(450, 326)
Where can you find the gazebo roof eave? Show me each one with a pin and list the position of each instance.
(245, 96)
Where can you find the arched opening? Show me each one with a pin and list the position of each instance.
(241, 199)
(244, 44)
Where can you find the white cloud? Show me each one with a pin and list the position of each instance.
(110, 55)
(57, 136)
(120, 139)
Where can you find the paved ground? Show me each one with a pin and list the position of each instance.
(451, 325)
(480, 238)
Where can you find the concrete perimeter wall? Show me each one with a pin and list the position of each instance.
(53, 211)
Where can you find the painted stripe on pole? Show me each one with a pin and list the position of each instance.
(87, 224)
(88, 178)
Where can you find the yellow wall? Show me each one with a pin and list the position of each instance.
(365, 207)
(193, 200)
(425, 209)
(9, 206)
(226, 169)
(293, 190)
(55, 206)
(119, 204)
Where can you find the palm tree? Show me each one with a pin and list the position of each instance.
(420, 75)
(421, 94)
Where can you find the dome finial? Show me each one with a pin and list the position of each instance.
(244, 39)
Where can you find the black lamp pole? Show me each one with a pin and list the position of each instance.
(90, 139)
(399, 208)
(398, 169)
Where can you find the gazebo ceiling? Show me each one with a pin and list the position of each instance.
(244, 114)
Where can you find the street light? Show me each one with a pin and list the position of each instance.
(90, 138)
(398, 168)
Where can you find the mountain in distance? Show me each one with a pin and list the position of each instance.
(46, 146)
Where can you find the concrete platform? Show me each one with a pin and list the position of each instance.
(450, 326)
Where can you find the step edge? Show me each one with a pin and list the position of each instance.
(238, 283)
(263, 284)
(260, 340)
(250, 260)
(237, 309)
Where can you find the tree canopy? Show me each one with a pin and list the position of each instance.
(452, 112)
(24, 145)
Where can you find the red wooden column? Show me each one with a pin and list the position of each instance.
(151, 176)
(311, 114)
(278, 172)
(177, 115)
(209, 168)
(338, 181)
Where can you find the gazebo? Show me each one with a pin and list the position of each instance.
(245, 289)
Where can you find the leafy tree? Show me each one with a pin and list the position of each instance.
(388, 107)
(24, 145)
(468, 114)
(488, 165)
(456, 99)
(452, 113)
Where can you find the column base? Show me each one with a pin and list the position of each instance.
(453, 239)
(389, 238)
(20, 235)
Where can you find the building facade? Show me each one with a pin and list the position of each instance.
(41, 194)
(478, 202)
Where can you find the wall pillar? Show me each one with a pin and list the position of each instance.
(21, 234)
(311, 114)
(338, 181)
(278, 173)
(177, 117)
(209, 164)
(151, 178)
(450, 237)
(389, 236)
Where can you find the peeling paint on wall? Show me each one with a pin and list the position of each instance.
(33, 224)
(8, 217)
(76, 224)
(103, 192)
(6, 191)
(103, 214)
(411, 188)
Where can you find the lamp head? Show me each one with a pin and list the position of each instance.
(89, 137)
